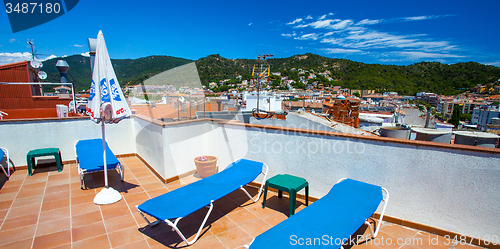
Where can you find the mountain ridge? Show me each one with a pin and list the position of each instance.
(422, 76)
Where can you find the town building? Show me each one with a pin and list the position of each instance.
(483, 117)
(21, 101)
(446, 107)
(267, 102)
(430, 98)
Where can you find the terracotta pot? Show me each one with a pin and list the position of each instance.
(206, 168)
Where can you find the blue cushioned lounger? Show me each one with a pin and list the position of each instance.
(89, 158)
(183, 201)
(330, 221)
(5, 152)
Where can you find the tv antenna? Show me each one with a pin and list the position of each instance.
(35, 62)
(260, 75)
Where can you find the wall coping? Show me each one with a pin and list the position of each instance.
(236, 123)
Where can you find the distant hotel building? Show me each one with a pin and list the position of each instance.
(484, 116)
(430, 98)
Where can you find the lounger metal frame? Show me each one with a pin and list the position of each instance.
(82, 172)
(6, 151)
(385, 200)
(173, 224)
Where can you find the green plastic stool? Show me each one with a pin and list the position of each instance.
(30, 158)
(291, 185)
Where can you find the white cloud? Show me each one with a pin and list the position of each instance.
(318, 24)
(333, 41)
(364, 39)
(289, 35)
(86, 54)
(341, 51)
(368, 22)
(418, 55)
(496, 63)
(324, 16)
(311, 36)
(372, 39)
(342, 24)
(78, 45)
(48, 58)
(309, 17)
(295, 21)
(12, 40)
(6, 58)
(250, 24)
(327, 24)
(353, 36)
(418, 18)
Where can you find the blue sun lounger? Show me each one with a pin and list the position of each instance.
(330, 221)
(89, 158)
(5, 152)
(171, 207)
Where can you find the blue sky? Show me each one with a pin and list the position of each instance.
(388, 32)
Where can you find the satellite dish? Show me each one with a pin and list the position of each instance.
(182, 99)
(36, 63)
(42, 75)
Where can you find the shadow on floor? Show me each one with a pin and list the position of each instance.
(189, 225)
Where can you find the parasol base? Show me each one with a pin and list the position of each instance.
(107, 196)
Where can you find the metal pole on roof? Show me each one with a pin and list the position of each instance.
(73, 93)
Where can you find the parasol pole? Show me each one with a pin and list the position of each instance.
(105, 84)
(104, 154)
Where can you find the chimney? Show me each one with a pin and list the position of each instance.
(219, 104)
(63, 67)
(428, 118)
(92, 48)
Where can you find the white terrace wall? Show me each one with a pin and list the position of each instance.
(184, 142)
(448, 188)
(149, 144)
(452, 189)
(19, 137)
(171, 147)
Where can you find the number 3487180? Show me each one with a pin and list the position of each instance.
(26, 8)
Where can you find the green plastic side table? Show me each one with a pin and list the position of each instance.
(30, 158)
(291, 185)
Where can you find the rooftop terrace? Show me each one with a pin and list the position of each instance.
(436, 189)
(50, 210)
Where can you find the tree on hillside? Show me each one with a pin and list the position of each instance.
(455, 117)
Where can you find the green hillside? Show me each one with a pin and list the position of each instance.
(424, 76)
(128, 72)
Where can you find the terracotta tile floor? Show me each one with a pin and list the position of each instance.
(50, 210)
